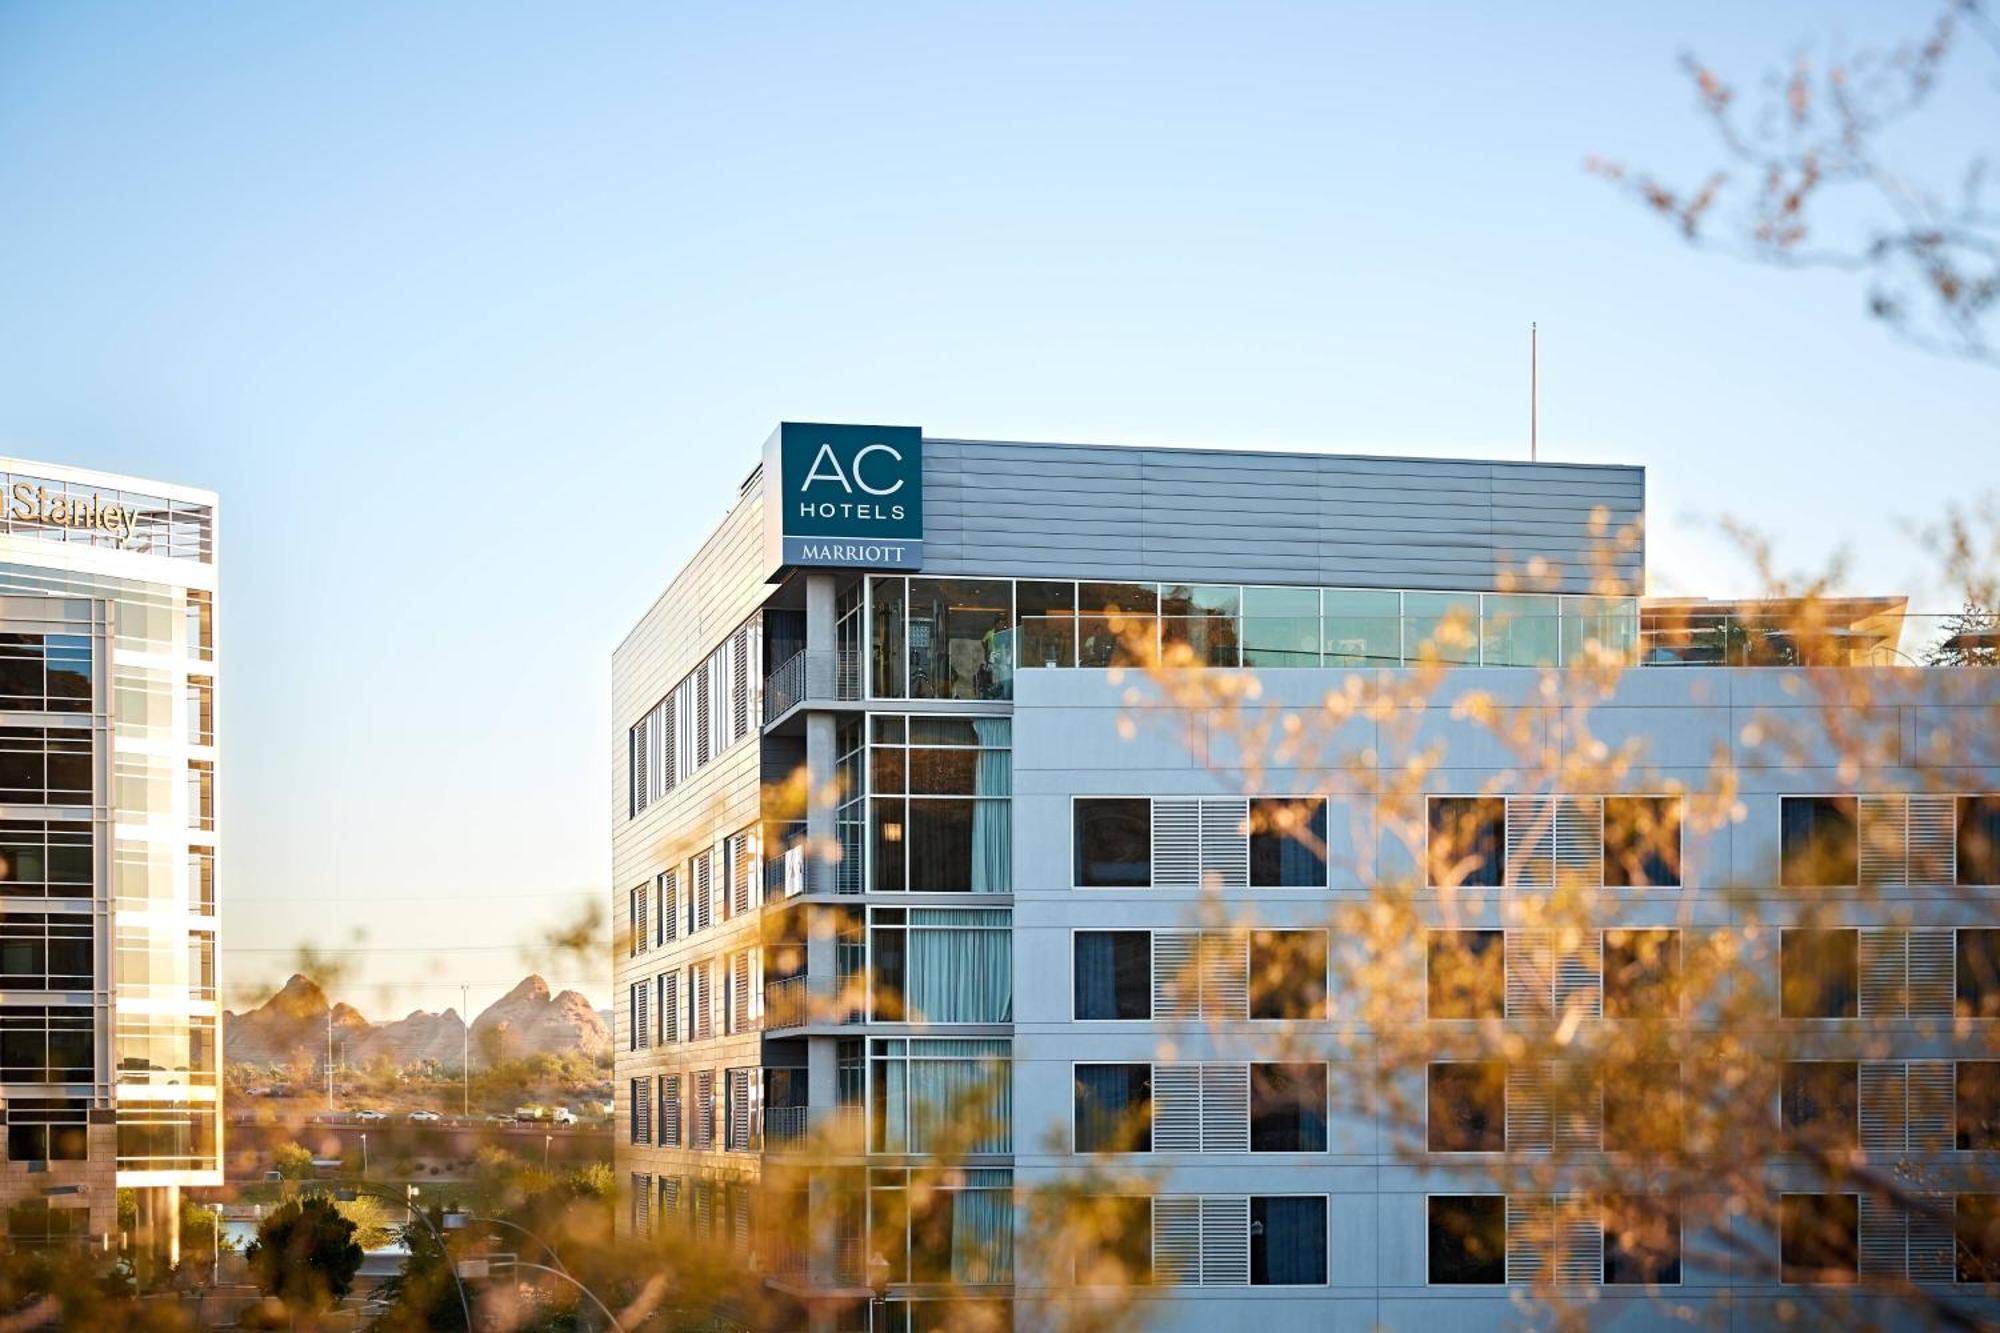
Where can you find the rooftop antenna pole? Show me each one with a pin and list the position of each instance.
(1534, 392)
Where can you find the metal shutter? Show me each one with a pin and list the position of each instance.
(642, 938)
(1883, 974)
(739, 1218)
(1176, 1108)
(1579, 840)
(642, 1025)
(704, 1111)
(670, 742)
(1884, 1131)
(739, 684)
(1932, 1116)
(1530, 853)
(1579, 1116)
(670, 1197)
(742, 869)
(1580, 1252)
(670, 906)
(1225, 1108)
(1225, 1242)
(1580, 977)
(1881, 840)
(1882, 1239)
(703, 889)
(1225, 974)
(642, 1109)
(740, 981)
(1528, 1128)
(1176, 844)
(1530, 1223)
(670, 1113)
(670, 1007)
(738, 1093)
(1530, 983)
(1176, 976)
(1933, 1242)
(641, 745)
(701, 1001)
(1933, 973)
(1177, 1241)
(704, 1207)
(703, 715)
(642, 1202)
(1225, 843)
(1932, 840)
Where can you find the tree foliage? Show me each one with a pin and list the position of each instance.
(305, 1254)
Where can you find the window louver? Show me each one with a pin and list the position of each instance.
(670, 1007)
(1884, 1133)
(1177, 1241)
(1225, 1108)
(1176, 975)
(1580, 978)
(703, 889)
(642, 939)
(1530, 1227)
(1578, 1114)
(740, 976)
(1579, 839)
(1225, 843)
(1177, 1108)
(739, 1108)
(704, 1113)
(702, 715)
(642, 1026)
(1225, 1241)
(1580, 1243)
(1881, 962)
(1225, 974)
(1176, 844)
(739, 684)
(641, 749)
(670, 906)
(1908, 839)
(1530, 842)
(1528, 1128)
(742, 869)
(670, 1113)
(1932, 1241)
(1932, 1114)
(1907, 973)
(1530, 973)
(702, 1026)
(642, 1199)
(1882, 1239)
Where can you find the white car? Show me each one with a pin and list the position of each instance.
(369, 1117)
(425, 1117)
(564, 1116)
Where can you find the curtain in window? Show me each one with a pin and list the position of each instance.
(959, 975)
(1294, 1241)
(992, 822)
(895, 1104)
(982, 1233)
(967, 1083)
(1097, 974)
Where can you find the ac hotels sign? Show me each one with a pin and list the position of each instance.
(850, 496)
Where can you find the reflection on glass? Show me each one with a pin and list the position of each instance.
(1106, 613)
(1520, 629)
(1204, 618)
(1047, 623)
(1610, 625)
(1362, 627)
(886, 637)
(960, 645)
(1442, 626)
(1280, 627)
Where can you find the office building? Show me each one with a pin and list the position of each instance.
(991, 876)
(109, 1058)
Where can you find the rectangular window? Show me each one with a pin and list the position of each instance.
(1976, 1233)
(1468, 1106)
(925, 1091)
(1642, 1242)
(1200, 624)
(961, 639)
(48, 1129)
(1644, 1110)
(1642, 841)
(1977, 1096)
(1288, 1241)
(1362, 627)
(1048, 623)
(46, 1044)
(1468, 841)
(1819, 1238)
(201, 710)
(200, 626)
(1288, 843)
(1979, 841)
(670, 1110)
(1118, 1250)
(1280, 627)
(1468, 1239)
(45, 673)
(1114, 974)
(1820, 845)
(940, 806)
(640, 1093)
(943, 965)
(1288, 1108)
(1288, 974)
(1114, 1108)
(201, 880)
(201, 795)
(1979, 973)
(1819, 973)
(1114, 842)
(1466, 974)
(640, 938)
(1642, 973)
(1821, 1102)
(1117, 623)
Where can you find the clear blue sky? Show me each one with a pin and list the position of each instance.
(475, 314)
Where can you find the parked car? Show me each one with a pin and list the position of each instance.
(564, 1116)
(369, 1117)
(425, 1117)
(497, 1118)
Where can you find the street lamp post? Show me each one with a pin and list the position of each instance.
(364, 1154)
(547, 1139)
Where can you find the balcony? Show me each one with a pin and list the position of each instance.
(792, 1128)
(812, 675)
(792, 872)
(795, 1002)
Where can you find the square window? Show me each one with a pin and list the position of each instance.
(1645, 1110)
(1288, 974)
(1114, 842)
(1468, 1239)
(1979, 840)
(1114, 1108)
(1642, 841)
(1287, 1242)
(1821, 1101)
(1976, 1233)
(1642, 1242)
(1819, 1238)
(1979, 973)
(1468, 1106)
(1114, 974)
(1466, 974)
(1819, 973)
(1820, 844)
(1288, 1108)
(1468, 841)
(1288, 843)
(1642, 973)
(1977, 1097)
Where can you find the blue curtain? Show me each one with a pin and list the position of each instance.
(982, 1233)
(961, 966)
(1096, 975)
(992, 822)
(1287, 1242)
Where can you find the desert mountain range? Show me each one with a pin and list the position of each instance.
(526, 1021)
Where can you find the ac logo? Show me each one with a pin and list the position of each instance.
(826, 467)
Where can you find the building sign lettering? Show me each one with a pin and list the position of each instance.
(35, 504)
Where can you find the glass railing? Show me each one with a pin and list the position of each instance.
(1456, 639)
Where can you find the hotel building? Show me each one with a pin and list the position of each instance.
(989, 872)
(109, 1058)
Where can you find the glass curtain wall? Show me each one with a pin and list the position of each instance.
(929, 1094)
(940, 808)
(943, 965)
